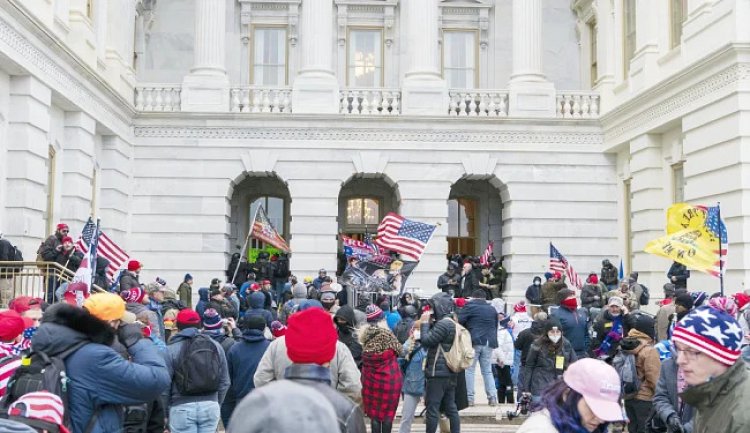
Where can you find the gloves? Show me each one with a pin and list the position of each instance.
(616, 336)
(674, 424)
(129, 334)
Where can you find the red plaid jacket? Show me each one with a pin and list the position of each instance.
(381, 385)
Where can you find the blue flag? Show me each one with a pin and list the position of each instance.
(621, 274)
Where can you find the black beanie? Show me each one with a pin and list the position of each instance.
(684, 300)
(646, 324)
(479, 294)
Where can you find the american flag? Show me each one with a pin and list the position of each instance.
(558, 262)
(263, 229)
(104, 246)
(484, 260)
(404, 236)
(716, 227)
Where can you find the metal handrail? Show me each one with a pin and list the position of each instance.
(32, 278)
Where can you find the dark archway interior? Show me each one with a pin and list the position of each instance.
(244, 194)
(377, 188)
(475, 215)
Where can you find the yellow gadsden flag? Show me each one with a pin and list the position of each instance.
(688, 241)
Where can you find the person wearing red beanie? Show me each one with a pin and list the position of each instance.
(11, 328)
(129, 277)
(311, 341)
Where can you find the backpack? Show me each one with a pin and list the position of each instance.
(41, 372)
(645, 296)
(624, 363)
(461, 355)
(197, 370)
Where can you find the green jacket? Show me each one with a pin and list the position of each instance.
(185, 293)
(723, 404)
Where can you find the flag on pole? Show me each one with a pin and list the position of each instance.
(621, 272)
(558, 262)
(484, 260)
(404, 236)
(359, 249)
(698, 241)
(263, 230)
(105, 247)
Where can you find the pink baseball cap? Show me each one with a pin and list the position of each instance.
(599, 385)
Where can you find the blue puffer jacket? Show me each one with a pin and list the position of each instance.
(202, 304)
(99, 377)
(480, 318)
(574, 328)
(257, 301)
(243, 359)
(414, 377)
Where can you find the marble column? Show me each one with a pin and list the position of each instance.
(316, 89)
(77, 168)
(206, 88)
(531, 95)
(424, 91)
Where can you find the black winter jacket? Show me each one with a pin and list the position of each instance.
(681, 274)
(541, 366)
(588, 294)
(609, 275)
(526, 338)
(441, 333)
(444, 284)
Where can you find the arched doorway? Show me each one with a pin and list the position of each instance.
(475, 217)
(250, 193)
(363, 202)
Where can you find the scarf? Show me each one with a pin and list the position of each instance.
(609, 340)
(379, 340)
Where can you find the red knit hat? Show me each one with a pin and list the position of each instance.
(254, 287)
(134, 265)
(67, 239)
(188, 317)
(311, 337)
(62, 226)
(11, 325)
(741, 299)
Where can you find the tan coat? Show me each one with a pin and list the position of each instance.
(647, 364)
(662, 321)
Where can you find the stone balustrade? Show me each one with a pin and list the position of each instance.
(370, 101)
(158, 97)
(483, 103)
(260, 100)
(577, 105)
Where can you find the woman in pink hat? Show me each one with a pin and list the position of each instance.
(586, 399)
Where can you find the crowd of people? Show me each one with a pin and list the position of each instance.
(263, 346)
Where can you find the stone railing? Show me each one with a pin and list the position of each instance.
(482, 103)
(577, 105)
(158, 97)
(376, 102)
(260, 100)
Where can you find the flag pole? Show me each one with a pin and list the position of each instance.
(721, 263)
(244, 246)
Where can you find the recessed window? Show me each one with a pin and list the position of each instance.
(362, 211)
(678, 15)
(462, 216)
(460, 59)
(678, 182)
(365, 58)
(628, 26)
(269, 56)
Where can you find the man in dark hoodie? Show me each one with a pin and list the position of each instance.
(242, 360)
(202, 304)
(257, 302)
(534, 295)
(438, 329)
(101, 380)
(344, 320)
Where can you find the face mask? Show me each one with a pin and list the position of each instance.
(571, 303)
(554, 338)
(417, 334)
(537, 283)
(614, 314)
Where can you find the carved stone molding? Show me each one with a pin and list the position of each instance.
(479, 165)
(259, 161)
(48, 70)
(370, 162)
(356, 135)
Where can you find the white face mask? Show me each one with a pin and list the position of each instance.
(554, 338)
(417, 335)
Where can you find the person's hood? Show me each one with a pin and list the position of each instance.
(299, 291)
(252, 335)
(218, 335)
(442, 305)
(535, 280)
(631, 343)
(203, 294)
(347, 313)
(185, 334)
(64, 325)
(257, 300)
(537, 327)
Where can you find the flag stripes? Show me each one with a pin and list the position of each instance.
(404, 236)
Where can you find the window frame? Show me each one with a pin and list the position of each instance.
(253, 29)
(349, 31)
(363, 224)
(675, 36)
(476, 34)
(676, 168)
(472, 236)
(628, 51)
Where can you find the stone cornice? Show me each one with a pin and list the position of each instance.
(19, 47)
(688, 90)
(369, 134)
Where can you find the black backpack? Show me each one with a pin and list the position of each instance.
(197, 370)
(645, 296)
(41, 372)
